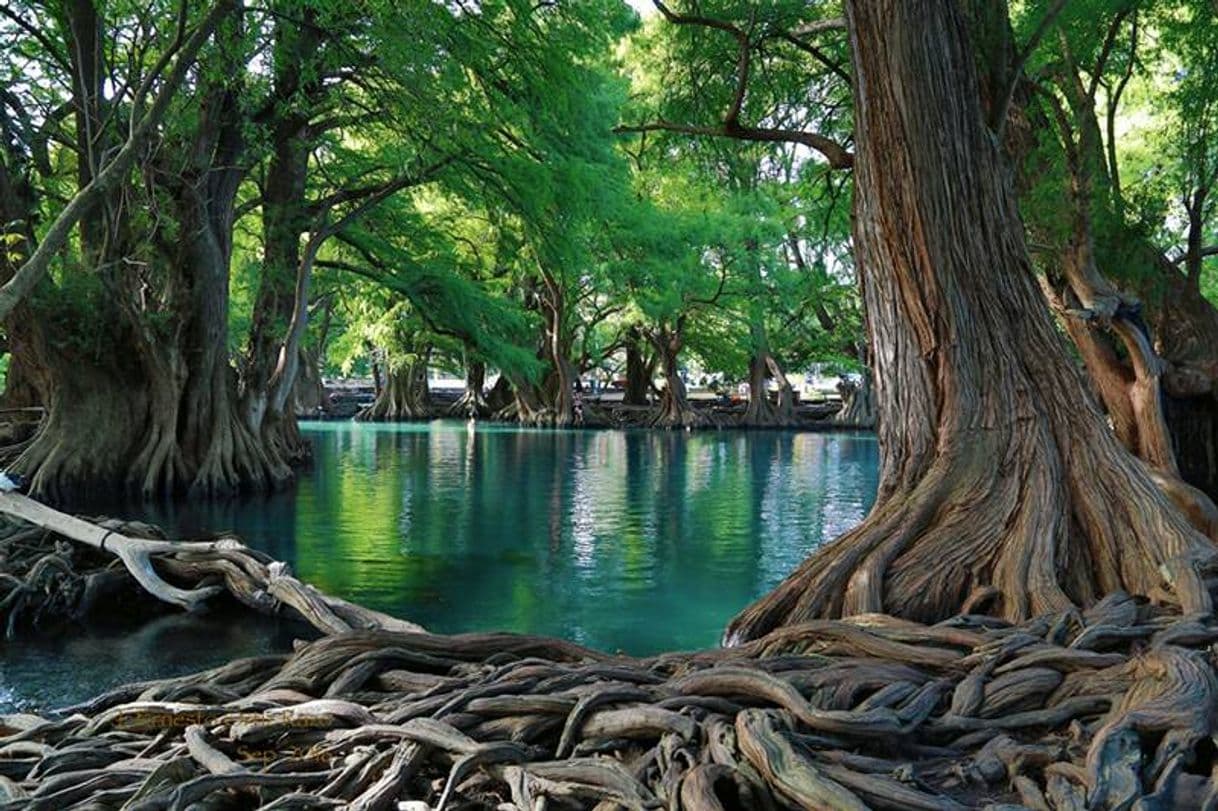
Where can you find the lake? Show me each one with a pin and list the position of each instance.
(638, 541)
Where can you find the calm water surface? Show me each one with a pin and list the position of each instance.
(635, 541)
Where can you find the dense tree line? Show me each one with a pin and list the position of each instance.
(190, 189)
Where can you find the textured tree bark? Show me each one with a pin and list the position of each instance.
(1002, 487)
(548, 402)
(858, 403)
(18, 208)
(763, 367)
(309, 395)
(1169, 390)
(83, 34)
(265, 392)
(142, 396)
(500, 396)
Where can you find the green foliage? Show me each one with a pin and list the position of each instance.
(559, 162)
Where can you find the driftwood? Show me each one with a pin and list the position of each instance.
(210, 567)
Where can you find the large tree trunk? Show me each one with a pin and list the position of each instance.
(764, 367)
(142, 396)
(309, 396)
(83, 34)
(1185, 326)
(761, 412)
(500, 396)
(674, 410)
(638, 370)
(405, 394)
(472, 403)
(155, 411)
(266, 402)
(1120, 266)
(556, 395)
(1002, 487)
(550, 402)
(858, 402)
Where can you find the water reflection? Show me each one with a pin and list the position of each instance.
(41, 671)
(639, 541)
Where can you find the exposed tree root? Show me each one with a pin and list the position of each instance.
(404, 396)
(1099, 710)
(469, 404)
(761, 413)
(472, 402)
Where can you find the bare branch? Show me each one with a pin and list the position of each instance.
(1208, 251)
(693, 19)
(731, 127)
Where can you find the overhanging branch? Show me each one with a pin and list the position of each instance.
(838, 156)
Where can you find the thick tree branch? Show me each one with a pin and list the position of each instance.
(366, 198)
(837, 155)
(1101, 62)
(1210, 250)
(694, 19)
(33, 269)
(1114, 103)
(817, 26)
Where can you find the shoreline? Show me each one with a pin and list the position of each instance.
(872, 711)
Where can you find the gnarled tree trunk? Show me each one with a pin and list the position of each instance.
(267, 414)
(674, 410)
(858, 402)
(309, 396)
(500, 396)
(761, 413)
(1160, 304)
(134, 367)
(1002, 487)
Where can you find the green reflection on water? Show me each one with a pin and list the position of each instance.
(634, 541)
(638, 541)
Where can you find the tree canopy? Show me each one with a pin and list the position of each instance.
(240, 197)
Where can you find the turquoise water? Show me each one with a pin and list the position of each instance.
(639, 541)
(636, 541)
